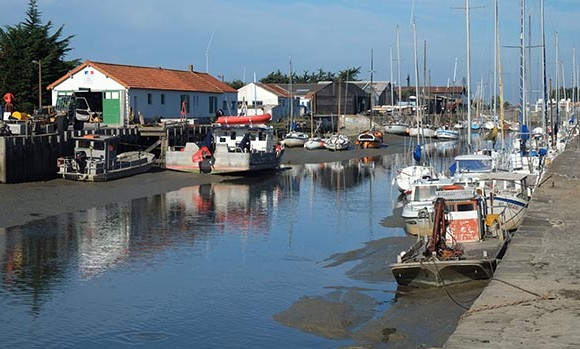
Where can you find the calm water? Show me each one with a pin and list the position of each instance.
(205, 266)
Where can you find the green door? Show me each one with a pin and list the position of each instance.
(112, 107)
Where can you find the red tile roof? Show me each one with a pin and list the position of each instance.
(274, 88)
(154, 78)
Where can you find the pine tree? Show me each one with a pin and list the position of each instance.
(22, 47)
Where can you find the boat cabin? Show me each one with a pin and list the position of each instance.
(465, 215)
(464, 164)
(93, 146)
(244, 139)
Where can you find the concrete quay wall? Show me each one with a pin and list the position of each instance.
(533, 301)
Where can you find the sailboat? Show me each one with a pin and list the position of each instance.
(410, 174)
(293, 138)
(371, 138)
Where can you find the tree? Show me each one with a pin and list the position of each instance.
(236, 84)
(350, 74)
(22, 47)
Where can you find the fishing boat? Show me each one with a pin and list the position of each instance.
(370, 139)
(465, 244)
(337, 142)
(314, 143)
(96, 160)
(231, 148)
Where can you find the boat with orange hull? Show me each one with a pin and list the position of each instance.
(245, 120)
(370, 139)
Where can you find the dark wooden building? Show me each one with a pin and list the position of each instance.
(340, 97)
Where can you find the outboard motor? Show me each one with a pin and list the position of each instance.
(81, 160)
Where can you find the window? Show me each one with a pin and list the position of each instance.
(224, 105)
(212, 104)
(184, 99)
(149, 98)
(163, 98)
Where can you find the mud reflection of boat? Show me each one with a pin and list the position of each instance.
(231, 147)
(465, 244)
(96, 160)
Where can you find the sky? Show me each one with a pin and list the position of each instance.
(237, 39)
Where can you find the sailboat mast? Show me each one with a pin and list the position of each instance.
(392, 92)
(399, 69)
(495, 62)
(501, 107)
(522, 119)
(291, 95)
(544, 79)
(557, 124)
(417, 104)
(372, 94)
(468, 77)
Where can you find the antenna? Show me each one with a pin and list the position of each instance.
(207, 53)
(412, 12)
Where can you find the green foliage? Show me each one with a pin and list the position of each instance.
(307, 77)
(236, 84)
(21, 48)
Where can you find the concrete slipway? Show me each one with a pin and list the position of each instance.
(534, 299)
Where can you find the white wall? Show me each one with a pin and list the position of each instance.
(88, 78)
(198, 103)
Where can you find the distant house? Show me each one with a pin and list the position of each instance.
(339, 97)
(381, 91)
(267, 98)
(441, 98)
(124, 92)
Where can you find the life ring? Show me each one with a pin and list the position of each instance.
(453, 187)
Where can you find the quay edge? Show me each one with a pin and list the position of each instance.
(533, 301)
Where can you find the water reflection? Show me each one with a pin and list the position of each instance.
(175, 267)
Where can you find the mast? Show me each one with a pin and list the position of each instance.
(392, 92)
(495, 60)
(468, 78)
(522, 118)
(417, 79)
(544, 79)
(501, 107)
(556, 125)
(291, 96)
(399, 70)
(372, 99)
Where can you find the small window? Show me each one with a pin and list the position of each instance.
(233, 136)
(465, 207)
(163, 98)
(149, 98)
(224, 105)
(212, 104)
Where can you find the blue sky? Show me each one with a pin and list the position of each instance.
(261, 35)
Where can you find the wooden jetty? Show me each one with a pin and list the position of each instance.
(33, 157)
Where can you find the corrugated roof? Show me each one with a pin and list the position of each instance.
(154, 78)
(274, 88)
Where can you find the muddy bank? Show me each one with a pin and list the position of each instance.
(381, 317)
(26, 202)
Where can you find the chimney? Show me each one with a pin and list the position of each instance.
(190, 68)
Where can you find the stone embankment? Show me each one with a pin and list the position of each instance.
(533, 300)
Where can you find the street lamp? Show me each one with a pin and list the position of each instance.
(39, 62)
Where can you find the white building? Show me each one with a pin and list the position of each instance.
(123, 92)
(266, 98)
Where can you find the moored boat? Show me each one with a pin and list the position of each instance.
(337, 142)
(370, 139)
(466, 244)
(295, 139)
(234, 148)
(314, 143)
(96, 160)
